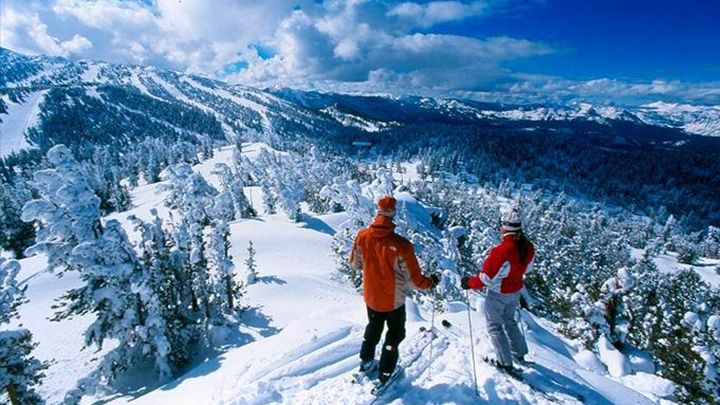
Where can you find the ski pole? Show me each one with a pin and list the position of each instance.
(432, 339)
(520, 322)
(472, 343)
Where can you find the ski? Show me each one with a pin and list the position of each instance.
(369, 374)
(380, 387)
(511, 371)
(359, 377)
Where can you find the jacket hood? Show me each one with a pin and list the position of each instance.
(382, 226)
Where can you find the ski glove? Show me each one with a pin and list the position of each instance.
(435, 277)
(465, 283)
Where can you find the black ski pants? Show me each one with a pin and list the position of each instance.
(396, 333)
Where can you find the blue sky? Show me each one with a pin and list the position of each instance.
(604, 51)
(637, 39)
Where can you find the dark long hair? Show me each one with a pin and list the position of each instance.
(523, 245)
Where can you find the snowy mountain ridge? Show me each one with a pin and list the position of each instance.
(702, 120)
(39, 81)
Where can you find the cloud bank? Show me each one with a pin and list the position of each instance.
(335, 45)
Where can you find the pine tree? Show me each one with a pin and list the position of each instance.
(15, 235)
(164, 289)
(126, 308)
(67, 212)
(20, 373)
(672, 346)
(223, 207)
(251, 265)
(115, 287)
(705, 329)
(234, 186)
(226, 289)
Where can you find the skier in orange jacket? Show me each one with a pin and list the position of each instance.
(389, 267)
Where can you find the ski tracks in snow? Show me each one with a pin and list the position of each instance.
(277, 377)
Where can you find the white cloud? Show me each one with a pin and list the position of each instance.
(105, 14)
(355, 44)
(345, 45)
(429, 14)
(76, 45)
(26, 32)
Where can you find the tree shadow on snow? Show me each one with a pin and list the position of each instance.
(142, 380)
(261, 323)
(270, 280)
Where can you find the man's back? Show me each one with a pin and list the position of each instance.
(388, 263)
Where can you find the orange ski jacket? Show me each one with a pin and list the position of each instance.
(388, 263)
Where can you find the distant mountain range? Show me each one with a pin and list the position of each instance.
(47, 100)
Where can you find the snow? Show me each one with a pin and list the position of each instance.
(699, 120)
(20, 118)
(617, 364)
(176, 93)
(668, 263)
(261, 109)
(589, 360)
(135, 81)
(180, 96)
(667, 108)
(59, 343)
(92, 74)
(302, 330)
(350, 120)
(650, 384)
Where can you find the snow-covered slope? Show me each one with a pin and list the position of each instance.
(700, 120)
(129, 96)
(119, 92)
(20, 117)
(302, 331)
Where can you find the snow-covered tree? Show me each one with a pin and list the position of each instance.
(163, 289)
(251, 265)
(711, 244)
(282, 178)
(341, 245)
(223, 208)
(104, 166)
(122, 292)
(234, 187)
(705, 328)
(15, 235)
(118, 293)
(382, 185)
(673, 343)
(349, 195)
(321, 170)
(67, 211)
(226, 289)
(190, 193)
(20, 372)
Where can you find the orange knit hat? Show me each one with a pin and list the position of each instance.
(386, 206)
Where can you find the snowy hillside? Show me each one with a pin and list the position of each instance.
(142, 100)
(299, 338)
(701, 120)
(20, 117)
(189, 240)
